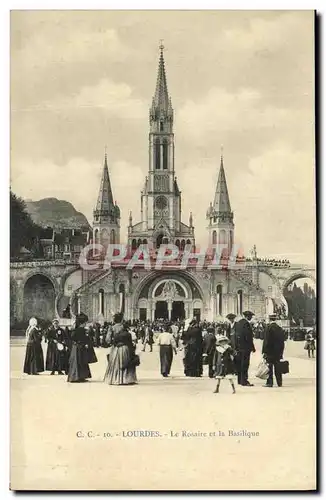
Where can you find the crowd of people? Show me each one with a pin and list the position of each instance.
(225, 347)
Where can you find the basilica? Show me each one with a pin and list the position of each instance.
(170, 292)
(50, 287)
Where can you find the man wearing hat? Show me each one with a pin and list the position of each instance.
(244, 341)
(273, 348)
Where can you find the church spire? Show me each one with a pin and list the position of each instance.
(105, 196)
(219, 214)
(161, 99)
(221, 199)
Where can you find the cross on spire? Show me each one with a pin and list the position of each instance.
(161, 97)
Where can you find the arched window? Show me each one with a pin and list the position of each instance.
(112, 236)
(165, 240)
(214, 238)
(231, 240)
(222, 236)
(101, 301)
(157, 153)
(161, 126)
(165, 154)
(96, 237)
(177, 243)
(219, 299)
(133, 244)
(104, 237)
(239, 301)
(145, 242)
(183, 244)
(139, 242)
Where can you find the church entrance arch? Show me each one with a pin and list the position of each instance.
(170, 296)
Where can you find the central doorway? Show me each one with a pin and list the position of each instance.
(161, 310)
(178, 310)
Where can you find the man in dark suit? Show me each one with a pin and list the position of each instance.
(244, 344)
(209, 343)
(273, 348)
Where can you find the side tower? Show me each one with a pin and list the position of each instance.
(106, 216)
(220, 215)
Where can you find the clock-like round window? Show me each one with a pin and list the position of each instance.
(161, 203)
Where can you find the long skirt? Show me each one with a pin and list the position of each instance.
(56, 360)
(39, 357)
(78, 364)
(92, 358)
(193, 363)
(166, 357)
(118, 372)
(32, 361)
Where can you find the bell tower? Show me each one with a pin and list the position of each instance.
(163, 194)
(161, 197)
(220, 215)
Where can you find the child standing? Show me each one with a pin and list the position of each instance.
(310, 345)
(224, 365)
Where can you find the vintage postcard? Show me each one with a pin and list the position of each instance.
(162, 256)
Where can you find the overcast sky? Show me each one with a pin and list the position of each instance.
(244, 80)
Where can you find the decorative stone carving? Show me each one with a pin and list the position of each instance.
(161, 183)
(170, 292)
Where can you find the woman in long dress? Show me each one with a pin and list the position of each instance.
(121, 370)
(92, 358)
(78, 362)
(193, 350)
(167, 345)
(56, 355)
(34, 360)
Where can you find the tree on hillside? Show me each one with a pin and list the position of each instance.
(23, 231)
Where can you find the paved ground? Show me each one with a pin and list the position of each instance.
(47, 414)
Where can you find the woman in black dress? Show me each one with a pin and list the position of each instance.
(121, 369)
(34, 360)
(92, 358)
(56, 355)
(78, 362)
(193, 350)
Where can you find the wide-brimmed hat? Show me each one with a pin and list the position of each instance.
(55, 320)
(231, 316)
(272, 316)
(248, 314)
(221, 338)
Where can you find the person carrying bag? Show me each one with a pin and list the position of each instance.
(262, 370)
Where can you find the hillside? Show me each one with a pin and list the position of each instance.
(55, 213)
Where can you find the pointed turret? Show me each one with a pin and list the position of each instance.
(221, 199)
(105, 197)
(106, 225)
(219, 213)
